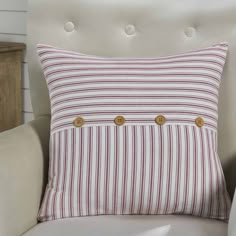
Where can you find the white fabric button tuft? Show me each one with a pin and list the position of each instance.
(189, 32)
(130, 30)
(69, 26)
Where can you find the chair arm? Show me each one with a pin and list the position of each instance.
(232, 219)
(23, 158)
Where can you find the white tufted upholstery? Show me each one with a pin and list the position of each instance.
(137, 28)
(120, 28)
(130, 226)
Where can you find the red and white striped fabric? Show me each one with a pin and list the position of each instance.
(140, 167)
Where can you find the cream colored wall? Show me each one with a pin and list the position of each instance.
(13, 17)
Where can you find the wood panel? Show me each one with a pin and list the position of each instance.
(12, 38)
(10, 88)
(13, 23)
(13, 5)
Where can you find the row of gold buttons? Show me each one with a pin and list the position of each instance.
(120, 120)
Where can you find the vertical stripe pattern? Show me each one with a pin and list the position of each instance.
(140, 167)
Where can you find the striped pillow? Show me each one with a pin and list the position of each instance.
(134, 135)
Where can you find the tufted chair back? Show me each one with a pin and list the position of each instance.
(130, 28)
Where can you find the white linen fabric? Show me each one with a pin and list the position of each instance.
(142, 165)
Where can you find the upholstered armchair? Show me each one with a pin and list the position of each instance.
(111, 28)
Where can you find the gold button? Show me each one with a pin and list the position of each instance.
(79, 122)
(199, 122)
(119, 120)
(160, 120)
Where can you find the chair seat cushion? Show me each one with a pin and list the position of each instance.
(129, 226)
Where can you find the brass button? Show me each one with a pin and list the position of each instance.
(199, 122)
(160, 120)
(119, 120)
(79, 122)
